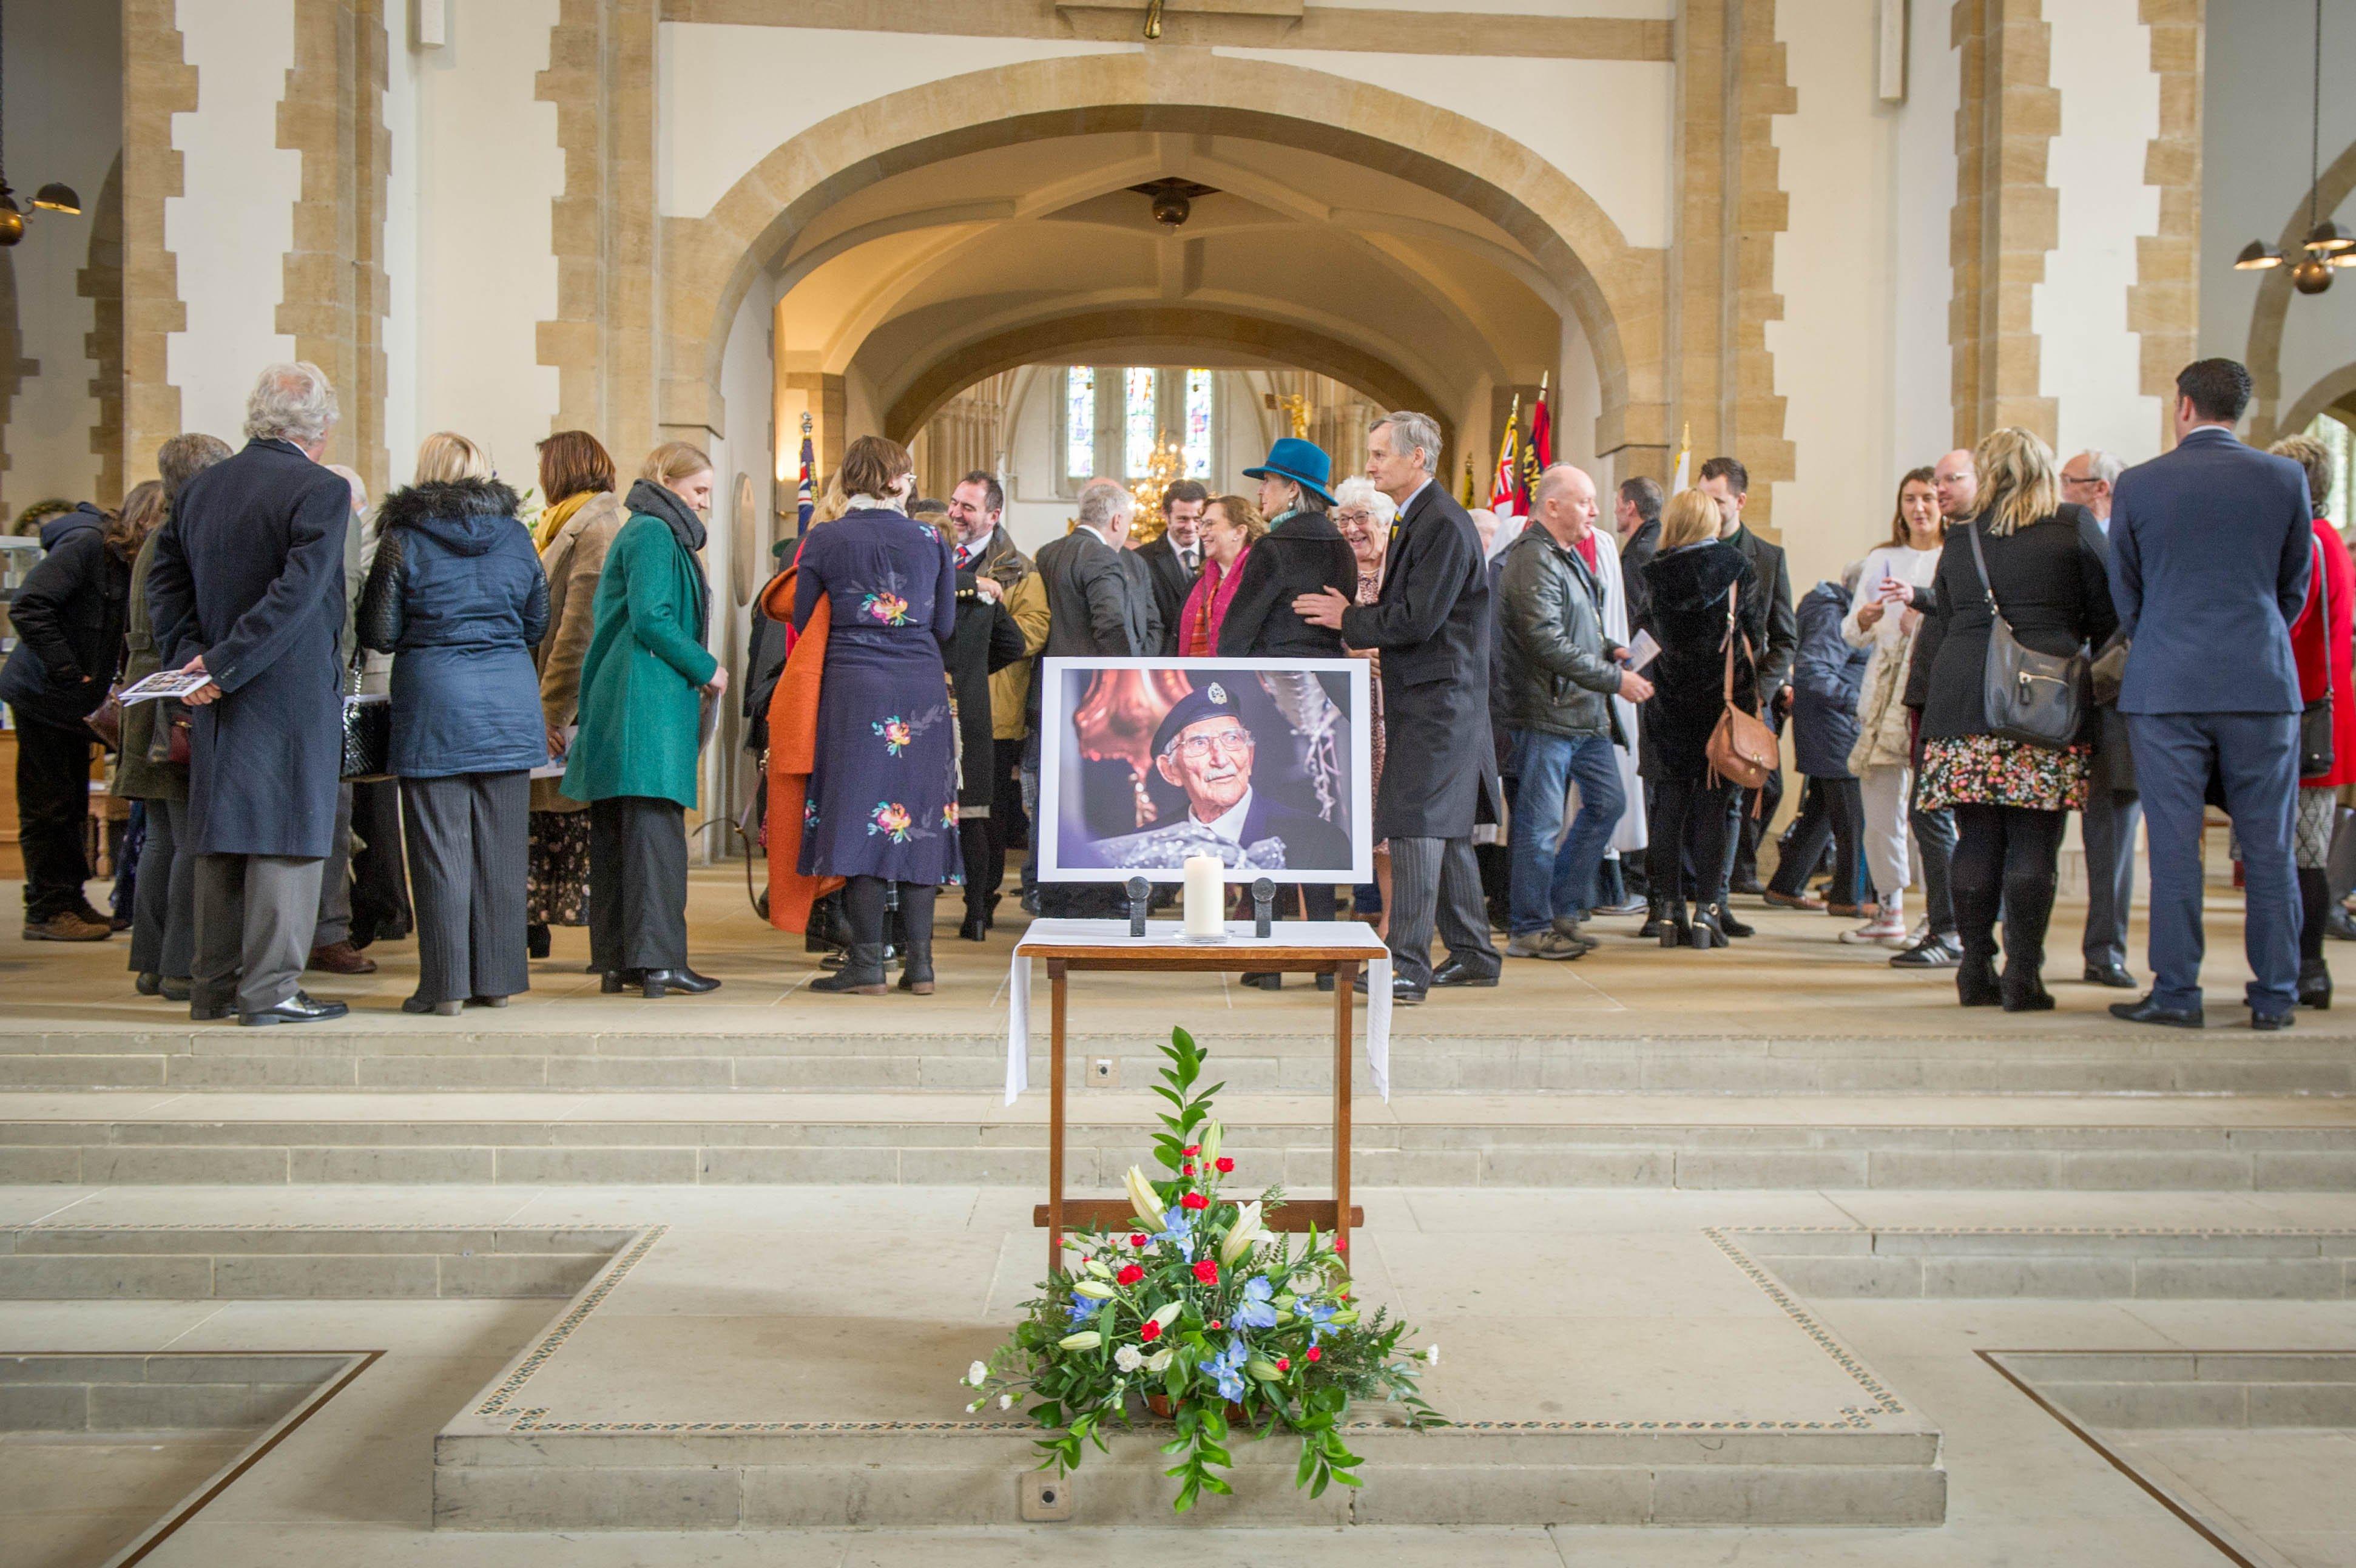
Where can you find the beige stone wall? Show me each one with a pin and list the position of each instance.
(2007, 215)
(158, 83)
(99, 281)
(2164, 303)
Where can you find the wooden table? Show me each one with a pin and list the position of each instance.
(1336, 948)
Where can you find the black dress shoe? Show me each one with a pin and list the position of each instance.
(1325, 982)
(151, 984)
(658, 983)
(975, 929)
(2113, 975)
(2148, 1011)
(1453, 973)
(2273, 1020)
(2314, 984)
(172, 990)
(1270, 981)
(1405, 993)
(536, 939)
(616, 980)
(210, 1013)
(297, 1009)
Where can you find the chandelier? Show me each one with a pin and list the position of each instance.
(1161, 471)
(2328, 245)
(53, 196)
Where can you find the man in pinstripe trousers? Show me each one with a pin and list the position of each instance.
(1431, 621)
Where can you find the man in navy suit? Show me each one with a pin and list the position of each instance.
(2212, 543)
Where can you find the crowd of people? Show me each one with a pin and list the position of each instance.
(1562, 726)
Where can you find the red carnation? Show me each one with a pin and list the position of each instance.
(1215, 1326)
(1315, 1354)
(1186, 1169)
(1208, 1270)
(1284, 1363)
(1226, 1164)
(1150, 1332)
(1194, 1201)
(1137, 1240)
(1131, 1276)
(1191, 1149)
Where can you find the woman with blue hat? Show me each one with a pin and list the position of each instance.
(1303, 552)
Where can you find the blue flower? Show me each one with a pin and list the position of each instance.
(1255, 1312)
(1083, 1307)
(1227, 1369)
(1318, 1313)
(1180, 1234)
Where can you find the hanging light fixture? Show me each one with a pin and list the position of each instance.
(54, 196)
(2328, 245)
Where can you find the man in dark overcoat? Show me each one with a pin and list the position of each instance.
(248, 586)
(1431, 621)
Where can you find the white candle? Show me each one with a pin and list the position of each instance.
(1205, 911)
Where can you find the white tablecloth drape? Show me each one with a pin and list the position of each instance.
(1165, 934)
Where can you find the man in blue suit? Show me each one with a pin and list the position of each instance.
(2212, 543)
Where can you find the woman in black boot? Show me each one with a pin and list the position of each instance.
(882, 806)
(2045, 575)
(1695, 586)
(2320, 641)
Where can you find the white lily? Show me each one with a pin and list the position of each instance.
(1097, 1289)
(1086, 1339)
(1245, 1232)
(1141, 1199)
(1209, 1143)
(1168, 1315)
(1159, 1361)
(978, 1374)
(1098, 1270)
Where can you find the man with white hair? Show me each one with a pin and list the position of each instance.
(2114, 811)
(1432, 622)
(248, 588)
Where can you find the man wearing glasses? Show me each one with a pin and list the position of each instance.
(2114, 810)
(1203, 747)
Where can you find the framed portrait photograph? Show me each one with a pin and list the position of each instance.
(1262, 763)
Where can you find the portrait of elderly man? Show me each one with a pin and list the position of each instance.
(1205, 747)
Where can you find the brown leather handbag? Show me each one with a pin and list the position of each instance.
(1742, 750)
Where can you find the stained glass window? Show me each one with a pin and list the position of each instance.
(1079, 421)
(1198, 424)
(2340, 441)
(1138, 419)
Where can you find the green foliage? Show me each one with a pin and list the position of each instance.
(1229, 1324)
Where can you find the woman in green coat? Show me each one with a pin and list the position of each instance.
(643, 686)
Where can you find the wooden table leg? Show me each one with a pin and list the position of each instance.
(1345, 979)
(1055, 996)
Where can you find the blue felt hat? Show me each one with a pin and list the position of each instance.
(1302, 462)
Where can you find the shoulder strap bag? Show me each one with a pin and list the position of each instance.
(2315, 748)
(368, 729)
(1742, 750)
(2038, 698)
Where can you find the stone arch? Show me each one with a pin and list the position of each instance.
(2271, 315)
(1616, 290)
(2331, 391)
(1139, 330)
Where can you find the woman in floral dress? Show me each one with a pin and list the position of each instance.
(881, 807)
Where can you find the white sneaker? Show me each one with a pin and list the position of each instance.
(1886, 928)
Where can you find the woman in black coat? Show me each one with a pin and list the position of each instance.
(1301, 552)
(2012, 798)
(986, 641)
(1689, 584)
(69, 618)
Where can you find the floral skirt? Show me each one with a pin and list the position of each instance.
(557, 890)
(1983, 770)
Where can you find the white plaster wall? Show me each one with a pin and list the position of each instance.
(1648, 10)
(405, 70)
(731, 94)
(745, 385)
(1836, 269)
(2110, 111)
(488, 168)
(1921, 184)
(64, 97)
(232, 226)
(1606, 124)
(2254, 127)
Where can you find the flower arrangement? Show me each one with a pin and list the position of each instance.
(1197, 1312)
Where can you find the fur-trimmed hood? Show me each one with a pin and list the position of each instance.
(465, 515)
(1693, 576)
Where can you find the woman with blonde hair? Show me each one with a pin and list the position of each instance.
(2044, 573)
(1701, 592)
(455, 592)
(643, 685)
(577, 529)
(881, 805)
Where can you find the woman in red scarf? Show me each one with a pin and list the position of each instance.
(1231, 526)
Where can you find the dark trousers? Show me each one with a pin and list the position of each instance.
(2256, 756)
(2005, 862)
(2109, 829)
(254, 916)
(470, 850)
(1682, 806)
(1833, 812)
(164, 917)
(1743, 842)
(336, 878)
(974, 843)
(638, 884)
(1436, 881)
(1934, 836)
(52, 815)
(380, 878)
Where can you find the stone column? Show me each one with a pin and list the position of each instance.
(157, 82)
(2007, 216)
(2164, 302)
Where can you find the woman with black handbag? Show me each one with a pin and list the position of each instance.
(2006, 736)
(2321, 642)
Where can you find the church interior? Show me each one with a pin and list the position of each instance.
(1781, 1259)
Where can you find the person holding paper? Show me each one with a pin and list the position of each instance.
(1884, 614)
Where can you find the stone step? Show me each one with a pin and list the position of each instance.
(363, 1053)
(306, 1262)
(1914, 1142)
(2061, 1263)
